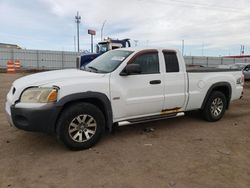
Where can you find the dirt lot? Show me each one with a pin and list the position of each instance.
(182, 152)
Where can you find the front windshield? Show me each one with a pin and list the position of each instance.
(107, 62)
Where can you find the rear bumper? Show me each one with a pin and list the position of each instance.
(40, 119)
(238, 93)
(241, 95)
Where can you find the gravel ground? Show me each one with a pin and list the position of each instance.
(181, 152)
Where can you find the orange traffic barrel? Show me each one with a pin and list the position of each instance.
(17, 65)
(11, 67)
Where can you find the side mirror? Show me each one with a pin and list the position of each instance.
(131, 69)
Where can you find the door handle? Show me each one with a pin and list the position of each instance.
(155, 82)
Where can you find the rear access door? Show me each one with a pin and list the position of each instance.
(175, 83)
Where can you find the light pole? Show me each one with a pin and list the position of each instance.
(78, 20)
(102, 29)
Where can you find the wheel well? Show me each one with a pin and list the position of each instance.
(224, 88)
(94, 101)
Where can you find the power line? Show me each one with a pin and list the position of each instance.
(201, 5)
(205, 5)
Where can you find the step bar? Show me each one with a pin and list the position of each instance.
(150, 118)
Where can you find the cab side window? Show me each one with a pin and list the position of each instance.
(171, 61)
(149, 62)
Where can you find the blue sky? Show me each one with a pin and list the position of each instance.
(210, 28)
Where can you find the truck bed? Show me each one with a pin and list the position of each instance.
(200, 79)
(209, 69)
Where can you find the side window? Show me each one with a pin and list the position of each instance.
(247, 68)
(149, 63)
(171, 62)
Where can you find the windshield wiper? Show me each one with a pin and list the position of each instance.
(93, 68)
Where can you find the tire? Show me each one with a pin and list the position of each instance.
(80, 126)
(215, 107)
(114, 127)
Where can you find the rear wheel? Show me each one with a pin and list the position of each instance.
(80, 126)
(215, 107)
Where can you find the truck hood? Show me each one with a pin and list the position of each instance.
(52, 77)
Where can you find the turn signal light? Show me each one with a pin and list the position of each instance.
(52, 97)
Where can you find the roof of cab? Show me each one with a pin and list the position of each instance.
(137, 49)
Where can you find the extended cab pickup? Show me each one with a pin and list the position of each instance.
(121, 86)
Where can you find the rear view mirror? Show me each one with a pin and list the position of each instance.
(131, 69)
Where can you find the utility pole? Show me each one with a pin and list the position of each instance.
(102, 29)
(242, 49)
(182, 48)
(78, 20)
(75, 43)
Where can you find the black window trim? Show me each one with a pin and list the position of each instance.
(143, 52)
(171, 51)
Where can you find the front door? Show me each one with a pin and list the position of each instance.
(140, 94)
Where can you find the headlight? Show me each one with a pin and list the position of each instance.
(39, 95)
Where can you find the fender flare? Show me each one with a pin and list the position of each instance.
(91, 95)
(213, 87)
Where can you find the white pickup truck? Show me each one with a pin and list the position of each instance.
(122, 86)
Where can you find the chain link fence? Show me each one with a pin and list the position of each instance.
(46, 60)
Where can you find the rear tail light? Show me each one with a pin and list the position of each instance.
(241, 80)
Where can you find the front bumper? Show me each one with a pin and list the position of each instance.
(8, 113)
(33, 118)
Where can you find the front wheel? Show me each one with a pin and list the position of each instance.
(80, 126)
(215, 107)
